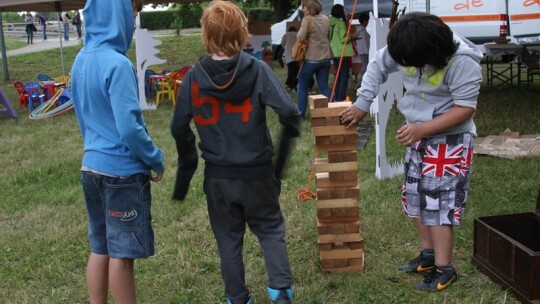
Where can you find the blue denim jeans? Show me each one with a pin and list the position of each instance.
(342, 80)
(119, 219)
(66, 31)
(309, 68)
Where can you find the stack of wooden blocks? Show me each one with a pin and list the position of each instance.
(338, 215)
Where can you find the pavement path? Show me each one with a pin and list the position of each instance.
(40, 45)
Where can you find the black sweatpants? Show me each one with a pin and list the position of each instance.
(231, 204)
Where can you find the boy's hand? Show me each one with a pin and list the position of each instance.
(351, 116)
(409, 134)
(157, 178)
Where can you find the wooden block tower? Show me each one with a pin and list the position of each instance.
(338, 215)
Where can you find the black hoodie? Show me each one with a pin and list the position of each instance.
(227, 100)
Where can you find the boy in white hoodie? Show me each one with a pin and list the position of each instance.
(441, 74)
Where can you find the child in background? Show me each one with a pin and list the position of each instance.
(362, 44)
(442, 75)
(119, 155)
(226, 94)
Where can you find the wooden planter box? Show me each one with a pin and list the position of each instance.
(507, 249)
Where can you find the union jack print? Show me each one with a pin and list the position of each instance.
(466, 161)
(439, 160)
(457, 215)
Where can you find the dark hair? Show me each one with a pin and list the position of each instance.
(363, 17)
(292, 29)
(338, 12)
(419, 39)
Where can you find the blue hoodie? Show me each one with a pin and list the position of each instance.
(105, 95)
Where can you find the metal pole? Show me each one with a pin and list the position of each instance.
(59, 10)
(4, 56)
(428, 6)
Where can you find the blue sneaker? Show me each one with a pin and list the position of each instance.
(280, 296)
(249, 301)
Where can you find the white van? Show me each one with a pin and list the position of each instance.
(483, 21)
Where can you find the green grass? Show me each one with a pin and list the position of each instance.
(13, 42)
(43, 248)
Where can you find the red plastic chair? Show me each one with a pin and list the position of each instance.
(35, 92)
(23, 96)
(178, 79)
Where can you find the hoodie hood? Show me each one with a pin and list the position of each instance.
(109, 24)
(468, 48)
(219, 75)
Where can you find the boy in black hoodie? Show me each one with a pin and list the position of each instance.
(226, 94)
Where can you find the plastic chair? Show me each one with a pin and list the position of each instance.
(23, 96)
(165, 88)
(35, 91)
(63, 79)
(149, 85)
(179, 76)
(44, 77)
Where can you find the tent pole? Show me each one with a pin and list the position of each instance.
(4, 56)
(59, 10)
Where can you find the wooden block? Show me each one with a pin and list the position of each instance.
(323, 181)
(322, 165)
(322, 140)
(352, 227)
(318, 122)
(351, 138)
(324, 212)
(341, 253)
(338, 228)
(324, 194)
(350, 175)
(333, 130)
(324, 228)
(328, 264)
(344, 269)
(356, 262)
(347, 204)
(337, 139)
(336, 176)
(332, 121)
(334, 109)
(318, 101)
(332, 219)
(340, 238)
(341, 263)
(340, 147)
(342, 156)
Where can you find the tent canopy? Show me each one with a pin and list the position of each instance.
(60, 5)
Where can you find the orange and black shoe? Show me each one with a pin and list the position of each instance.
(422, 263)
(437, 280)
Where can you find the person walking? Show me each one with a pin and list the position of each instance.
(442, 75)
(77, 21)
(66, 20)
(43, 23)
(30, 28)
(318, 54)
(226, 95)
(287, 42)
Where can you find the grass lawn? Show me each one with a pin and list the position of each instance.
(44, 248)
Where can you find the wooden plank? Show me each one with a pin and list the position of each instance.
(325, 228)
(336, 193)
(342, 156)
(322, 165)
(326, 112)
(332, 219)
(341, 253)
(323, 181)
(333, 130)
(340, 238)
(318, 122)
(337, 203)
(340, 147)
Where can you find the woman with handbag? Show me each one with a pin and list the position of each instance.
(29, 20)
(314, 29)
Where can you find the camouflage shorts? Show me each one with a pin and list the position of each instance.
(437, 176)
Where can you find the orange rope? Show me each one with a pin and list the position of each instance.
(306, 194)
(343, 51)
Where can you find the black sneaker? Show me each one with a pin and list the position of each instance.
(437, 280)
(419, 264)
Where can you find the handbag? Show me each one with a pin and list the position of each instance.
(299, 49)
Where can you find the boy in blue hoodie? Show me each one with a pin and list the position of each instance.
(119, 155)
(226, 94)
(442, 75)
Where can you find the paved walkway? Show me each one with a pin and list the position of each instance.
(54, 42)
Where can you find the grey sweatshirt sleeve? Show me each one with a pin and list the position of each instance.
(463, 81)
(376, 74)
